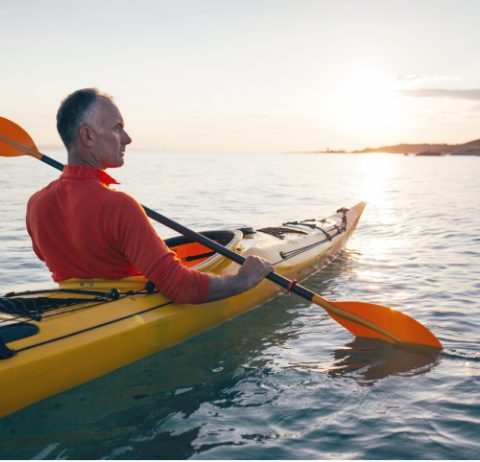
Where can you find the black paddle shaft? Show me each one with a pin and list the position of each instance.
(207, 242)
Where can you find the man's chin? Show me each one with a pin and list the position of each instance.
(117, 164)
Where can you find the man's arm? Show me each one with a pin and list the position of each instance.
(133, 233)
(250, 274)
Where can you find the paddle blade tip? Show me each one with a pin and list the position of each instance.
(14, 140)
(380, 322)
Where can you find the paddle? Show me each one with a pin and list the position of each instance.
(360, 318)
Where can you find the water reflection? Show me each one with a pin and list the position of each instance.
(376, 173)
(368, 360)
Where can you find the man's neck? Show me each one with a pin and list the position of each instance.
(83, 158)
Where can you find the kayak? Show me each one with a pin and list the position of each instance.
(54, 339)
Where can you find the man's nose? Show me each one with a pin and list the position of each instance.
(126, 138)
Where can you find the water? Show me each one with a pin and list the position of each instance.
(284, 381)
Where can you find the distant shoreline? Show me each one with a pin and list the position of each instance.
(412, 154)
(471, 148)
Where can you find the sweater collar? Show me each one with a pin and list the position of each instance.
(85, 172)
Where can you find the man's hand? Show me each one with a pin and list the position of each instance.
(253, 271)
(250, 274)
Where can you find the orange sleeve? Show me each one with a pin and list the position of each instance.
(30, 231)
(133, 233)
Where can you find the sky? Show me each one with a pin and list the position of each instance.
(249, 75)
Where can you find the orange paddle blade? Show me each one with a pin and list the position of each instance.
(14, 140)
(381, 322)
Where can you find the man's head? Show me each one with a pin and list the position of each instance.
(92, 130)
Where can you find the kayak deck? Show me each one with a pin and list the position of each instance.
(59, 347)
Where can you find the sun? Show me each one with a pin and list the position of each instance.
(369, 102)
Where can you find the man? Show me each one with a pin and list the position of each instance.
(83, 229)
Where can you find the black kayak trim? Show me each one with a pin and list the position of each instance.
(12, 332)
(88, 329)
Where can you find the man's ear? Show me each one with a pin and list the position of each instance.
(86, 136)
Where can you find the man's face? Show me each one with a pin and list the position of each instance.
(108, 134)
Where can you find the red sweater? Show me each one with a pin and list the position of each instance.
(82, 229)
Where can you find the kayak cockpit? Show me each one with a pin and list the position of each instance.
(193, 254)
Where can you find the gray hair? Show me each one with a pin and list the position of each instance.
(73, 112)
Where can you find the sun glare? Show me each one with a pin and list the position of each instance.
(370, 103)
(375, 171)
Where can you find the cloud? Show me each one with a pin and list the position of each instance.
(473, 94)
(426, 78)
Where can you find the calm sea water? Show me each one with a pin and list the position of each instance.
(284, 381)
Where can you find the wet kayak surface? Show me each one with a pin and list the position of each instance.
(284, 381)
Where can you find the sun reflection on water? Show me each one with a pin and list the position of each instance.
(376, 171)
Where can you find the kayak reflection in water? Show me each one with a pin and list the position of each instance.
(83, 229)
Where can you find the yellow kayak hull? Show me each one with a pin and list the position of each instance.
(79, 343)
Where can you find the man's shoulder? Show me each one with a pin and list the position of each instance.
(42, 194)
(118, 203)
(119, 197)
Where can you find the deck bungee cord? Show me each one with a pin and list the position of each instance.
(30, 308)
(295, 227)
(34, 308)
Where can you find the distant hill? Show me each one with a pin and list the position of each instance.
(471, 148)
